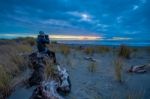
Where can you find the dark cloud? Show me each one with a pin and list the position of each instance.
(104, 17)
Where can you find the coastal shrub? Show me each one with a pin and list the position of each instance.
(124, 51)
(118, 70)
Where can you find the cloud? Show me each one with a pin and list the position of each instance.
(120, 38)
(55, 22)
(135, 7)
(82, 16)
(119, 19)
(143, 1)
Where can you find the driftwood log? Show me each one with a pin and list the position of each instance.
(139, 68)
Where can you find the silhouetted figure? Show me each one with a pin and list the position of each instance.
(42, 40)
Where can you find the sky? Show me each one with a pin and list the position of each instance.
(105, 19)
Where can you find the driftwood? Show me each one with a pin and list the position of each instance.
(37, 76)
(65, 84)
(90, 59)
(139, 68)
(50, 89)
(47, 90)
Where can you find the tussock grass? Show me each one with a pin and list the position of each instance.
(102, 49)
(124, 51)
(50, 71)
(5, 79)
(26, 40)
(11, 63)
(118, 70)
(96, 49)
(89, 50)
(65, 50)
(92, 67)
(135, 94)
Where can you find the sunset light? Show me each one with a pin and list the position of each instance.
(74, 37)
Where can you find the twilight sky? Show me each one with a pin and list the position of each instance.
(109, 19)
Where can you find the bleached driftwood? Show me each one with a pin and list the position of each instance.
(139, 68)
(65, 84)
(90, 59)
(47, 90)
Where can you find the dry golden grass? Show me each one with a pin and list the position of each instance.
(89, 50)
(118, 70)
(124, 51)
(11, 63)
(64, 50)
(96, 49)
(50, 71)
(102, 49)
(5, 79)
(135, 94)
(92, 67)
(26, 40)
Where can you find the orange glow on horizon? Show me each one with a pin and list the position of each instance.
(74, 37)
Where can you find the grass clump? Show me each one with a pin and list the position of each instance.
(26, 40)
(54, 42)
(11, 64)
(118, 70)
(124, 51)
(50, 71)
(102, 49)
(5, 79)
(135, 94)
(65, 50)
(89, 50)
(92, 67)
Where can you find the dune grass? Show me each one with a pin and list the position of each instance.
(118, 70)
(102, 49)
(50, 70)
(11, 63)
(89, 50)
(65, 50)
(124, 51)
(134, 94)
(92, 67)
(26, 40)
(5, 79)
(97, 49)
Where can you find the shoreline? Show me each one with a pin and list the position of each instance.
(90, 43)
